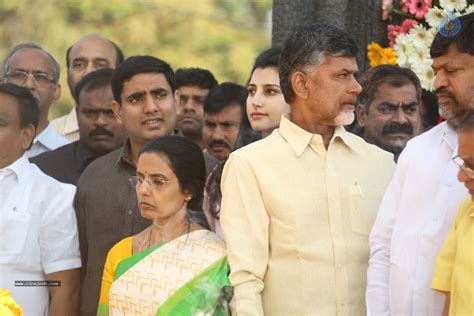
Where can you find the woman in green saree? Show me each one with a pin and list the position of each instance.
(177, 266)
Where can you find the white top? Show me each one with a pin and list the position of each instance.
(47, 140)
(416, 213)
(67, 126)
(38, 232)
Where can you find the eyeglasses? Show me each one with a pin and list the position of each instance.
(156, 183)
(20, 77)
(461, 164)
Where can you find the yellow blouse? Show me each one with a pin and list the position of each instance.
(120, 251)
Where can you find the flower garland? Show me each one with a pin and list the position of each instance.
(413, 26)
(8, 307)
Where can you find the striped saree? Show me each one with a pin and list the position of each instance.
(185, 276)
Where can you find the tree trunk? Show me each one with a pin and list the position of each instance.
(362, 19)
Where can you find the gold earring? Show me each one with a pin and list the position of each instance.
(187, 198)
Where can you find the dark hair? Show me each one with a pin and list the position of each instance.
(94, 80)
(431, 108)
(198, 77)
(305, 49)
(27, 104)
(187, 163)
(467, 123)
(56, 68)
(136, 65)
(118, 53)
(392, 75)
(267, 58)
(224, 95)
(464, 39)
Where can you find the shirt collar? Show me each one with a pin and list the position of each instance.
(83, 154)
(47, 137)
(450, 137)
(126, 148)
(19, 167)
(471, 208)
(124, 154)
(71, 122)
(299, 139)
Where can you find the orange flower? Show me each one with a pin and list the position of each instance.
(379, 55)
(7, 305)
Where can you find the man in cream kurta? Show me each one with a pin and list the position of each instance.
(298, 205)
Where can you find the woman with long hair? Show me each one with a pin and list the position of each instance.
(265, 106)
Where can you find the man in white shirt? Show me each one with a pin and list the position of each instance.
(419, 205)
(39, 248)
(91, 52)
(30, 66)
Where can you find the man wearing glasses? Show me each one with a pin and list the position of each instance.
(420, 204)
(30, 66)
(453, 273)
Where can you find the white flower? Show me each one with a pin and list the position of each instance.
(469, 9)
(404, 48)
(426, 75)
(421, 37)
(451, 5)
(434, 16)
(419, 56)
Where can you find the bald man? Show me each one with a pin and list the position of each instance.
(89, 53)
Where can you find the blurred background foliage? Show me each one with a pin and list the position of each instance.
(223, 36)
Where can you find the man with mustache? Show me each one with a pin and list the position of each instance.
(223, 108)
(411, 224)
(388, 111)
(106, 206)
(192, 86)
(297, 206)
(99, 130)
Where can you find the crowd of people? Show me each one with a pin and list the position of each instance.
(304, 192)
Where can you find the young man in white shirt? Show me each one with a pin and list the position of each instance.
(420, 204)
(30, 66)
(39, 248)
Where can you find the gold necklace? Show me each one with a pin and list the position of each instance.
(148, 237)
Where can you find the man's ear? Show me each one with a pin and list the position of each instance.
(27, 135)
(299, 84)
(57, 92)
(117, 108)
(361, 115)
(176, 96)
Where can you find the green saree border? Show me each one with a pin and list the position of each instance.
(193, 295)
(128, 263)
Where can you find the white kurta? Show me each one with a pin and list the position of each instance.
(416, 213)
(38, 232)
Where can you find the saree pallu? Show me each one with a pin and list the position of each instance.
(182, 277)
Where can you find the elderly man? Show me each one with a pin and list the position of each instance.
(100, 132)
(298, 205)
(453, 273)
(91, 52)
(192, 87)
(411, 224)
(106, 206)
(388, 112)
(30, 66)
(39, 248)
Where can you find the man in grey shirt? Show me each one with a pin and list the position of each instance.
(106, 205)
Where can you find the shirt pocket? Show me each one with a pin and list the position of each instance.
(14, 229)
(363, 207)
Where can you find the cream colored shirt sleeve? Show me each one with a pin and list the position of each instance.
(245, 224)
